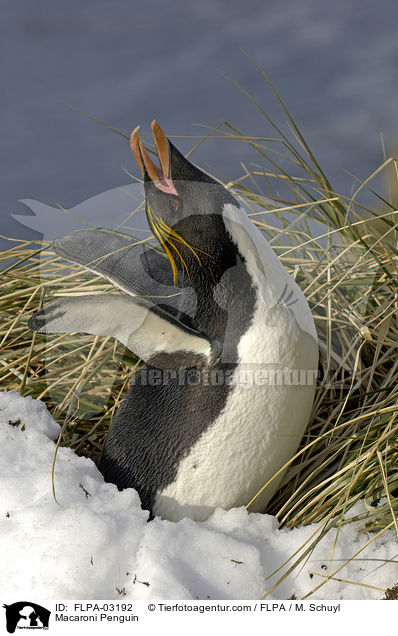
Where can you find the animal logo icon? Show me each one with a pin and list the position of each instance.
(25, 614)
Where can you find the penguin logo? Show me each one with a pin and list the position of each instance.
(26, 615)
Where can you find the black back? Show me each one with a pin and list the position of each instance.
(157, 424)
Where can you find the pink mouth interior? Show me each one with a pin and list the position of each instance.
(165, 184)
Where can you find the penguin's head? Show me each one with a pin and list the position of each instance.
(184, 205)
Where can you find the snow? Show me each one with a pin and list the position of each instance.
(96, 542)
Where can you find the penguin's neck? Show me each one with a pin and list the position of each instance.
(224, 292)
(204, 271)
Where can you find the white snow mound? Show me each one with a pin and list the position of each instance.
(96, 543)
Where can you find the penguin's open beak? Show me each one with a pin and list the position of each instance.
(161, 177)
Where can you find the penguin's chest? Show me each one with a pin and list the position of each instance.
(257, 430)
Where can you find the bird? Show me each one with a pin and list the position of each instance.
(226, 338)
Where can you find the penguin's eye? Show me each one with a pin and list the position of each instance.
(174, 204)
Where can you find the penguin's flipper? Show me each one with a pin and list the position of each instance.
(151, 333)
(136, 269)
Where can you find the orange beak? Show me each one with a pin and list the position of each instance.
(161, 177)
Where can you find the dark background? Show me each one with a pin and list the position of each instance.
(126, 62)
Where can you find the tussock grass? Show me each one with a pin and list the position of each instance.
(342, 250)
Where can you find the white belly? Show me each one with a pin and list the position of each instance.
(259, 428)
